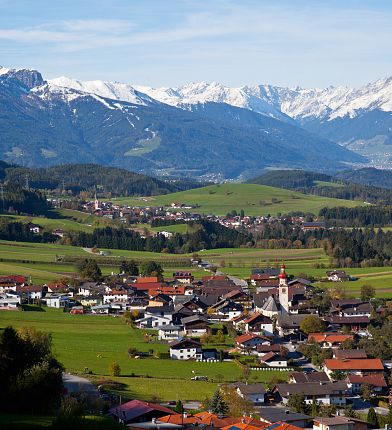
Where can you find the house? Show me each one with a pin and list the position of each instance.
(186, 349)
(376, 382)
(57, 301)
(77, 310)
(136, 411)
(351, 308)
(195, 325)
(251, 341)
(153, 321)
(101, 309)
(325, 393)
(337, 276)
(303, 377)
(35, 228)
(271, 414)
(227, 308)
(116, 296)
(353, 366)
(315, 225)
(9, 302)
(349, 353)
(252, 392)
(329, 340)
(259, 324)
(183, 277)
(339, 423)
(352, 323)
(170, 332)
(289, 324)
(273, 359)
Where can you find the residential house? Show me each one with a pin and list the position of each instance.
(136, 411)
(349, 353)
(183, 277)
(195, 325)
(351, 308)
(227, 309)
(272, 414)
(259, 324)
(375, 381)
(352, 323)
(303, 377)
(353, 366)
(329, 340)
(186, 349)
(274, 359)
(170, 332)
(57, 301)
(250, 341)
(325, 393)
(339, 423)
(252, 392)
(337, 276)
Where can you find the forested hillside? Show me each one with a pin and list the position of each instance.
(89, 177)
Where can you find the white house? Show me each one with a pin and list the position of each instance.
(153, 321)
(252, 392)
(186, 349)
(170, 332)
(57, 301)
(273, 359)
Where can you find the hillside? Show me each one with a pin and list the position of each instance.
(347, 187)
(368, 176)
(253, 199)
(89, 177)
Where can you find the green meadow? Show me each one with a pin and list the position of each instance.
(93, 342)
(253, 199)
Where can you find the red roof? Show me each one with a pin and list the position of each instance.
(146, 286)
(329, 337)
(248, 336)
(146, 279)
(180, 419)
(377, 380)
(355, 364)
(136, 408)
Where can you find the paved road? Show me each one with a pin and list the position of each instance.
(77, 384)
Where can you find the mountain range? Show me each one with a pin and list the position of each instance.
(198, 130)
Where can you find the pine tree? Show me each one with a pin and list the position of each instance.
(217, 404)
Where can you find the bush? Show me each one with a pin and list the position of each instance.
(163, 355)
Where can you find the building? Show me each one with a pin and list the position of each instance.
(329, 340)
(136, 411)
(356, 366)
(252, 392)
(186, 349)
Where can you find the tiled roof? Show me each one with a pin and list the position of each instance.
(356, 364)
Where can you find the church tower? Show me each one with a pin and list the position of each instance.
(96, 202)
(283, 291)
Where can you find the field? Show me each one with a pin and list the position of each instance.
(93, 342)
(253, 199)
(40, 261)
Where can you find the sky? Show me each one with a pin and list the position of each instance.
(313, 43)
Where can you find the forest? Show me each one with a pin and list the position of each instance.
(360, 216)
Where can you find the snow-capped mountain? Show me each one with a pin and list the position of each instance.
(196, 131)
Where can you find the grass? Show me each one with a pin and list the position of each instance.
(254, 199)
(100, 340)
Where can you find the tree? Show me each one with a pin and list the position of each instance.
(179, 407)
(28, 367)
(129, 268)
(297, 403)
(312, 324)
(389, 416)
(246, 373)
(366, 391)
(114, 369)
(89, 269)
(349, 412)
(238, 406)
(367, 292)
(217, 405)
(151, 268)
(372, 418)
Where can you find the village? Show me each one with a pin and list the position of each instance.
(276, 323)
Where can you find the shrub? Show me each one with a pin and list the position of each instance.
(114, 369)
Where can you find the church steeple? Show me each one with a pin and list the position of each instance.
(283, 291)
(96, 201)
(282, 275)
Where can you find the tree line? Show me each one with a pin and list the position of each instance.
(360, 216)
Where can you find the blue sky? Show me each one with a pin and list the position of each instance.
(171, 42)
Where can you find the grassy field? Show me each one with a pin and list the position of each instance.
(254, 199)
(100, 340)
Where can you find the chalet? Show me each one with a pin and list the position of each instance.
(329, 340)
(356, 366)
(170, 332)
(136, 411)
(227, 308)
(254, 393)
(186, 349)
(32, 292)
(266, 348)
(273, 359)
(251, 341)
(195, 325)
(375, 381)
(259, 324)
(338, 276)
(351, 323)
(183, 277)
(351, 308)
(116, 296)
(325, 393)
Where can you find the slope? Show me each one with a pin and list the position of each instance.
(253, 199)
